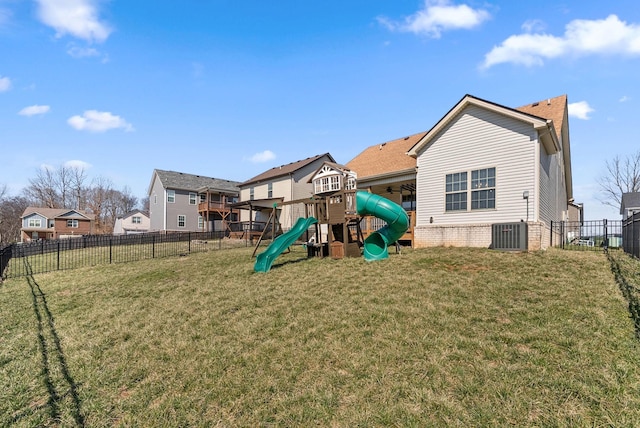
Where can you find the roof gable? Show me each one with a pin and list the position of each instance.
(385, 158)
(539, 123)
(284, 170)
(330, 168)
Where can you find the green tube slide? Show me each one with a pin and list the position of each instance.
(376, 245)
(265, 259)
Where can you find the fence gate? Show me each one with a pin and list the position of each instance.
(593, 235)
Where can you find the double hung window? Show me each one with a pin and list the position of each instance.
(481, 190)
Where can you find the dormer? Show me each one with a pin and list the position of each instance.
(332, 177)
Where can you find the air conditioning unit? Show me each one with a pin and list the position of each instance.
(510, 236)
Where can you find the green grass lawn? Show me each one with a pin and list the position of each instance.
(436, 337)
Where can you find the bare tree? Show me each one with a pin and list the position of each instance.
(623, 176)
(11, 209)
(128, 202)
(43, 189)
(98, 200)
(77, 186)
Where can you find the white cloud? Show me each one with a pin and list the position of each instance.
(262, 157)
(533, 25)
(34, 110)
(580, 110)
(437, 16)
(79, 52)
(78, 18)
(5, 84)
(78, 164)
(582, 37)
(98, 121)
(624, 99)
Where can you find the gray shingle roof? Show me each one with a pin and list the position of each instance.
(183, 181)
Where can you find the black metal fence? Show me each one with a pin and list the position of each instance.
(590, 235)
(61, 254)
(631, 235)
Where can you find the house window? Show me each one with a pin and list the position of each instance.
(483, 189)
(155, 199)
(171, 196)
(182, 220)
(192, 198)
(136, 219)
(456, 192)
(200, 222)
(35, 222)
(252, 194)
(270, 190)
(72, 222)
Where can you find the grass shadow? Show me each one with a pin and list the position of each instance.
(629, 292)
(52, 355)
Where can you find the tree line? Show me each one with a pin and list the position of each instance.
(66, 187)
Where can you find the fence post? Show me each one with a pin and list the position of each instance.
(110, 250)
(58, 261)
(189, 246)
(153, 247)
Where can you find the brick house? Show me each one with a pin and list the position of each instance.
(54, 223)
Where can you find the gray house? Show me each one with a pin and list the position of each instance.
(630, 204)
(190, 203)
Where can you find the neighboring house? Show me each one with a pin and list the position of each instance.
(280, 184)
(186, 202)
(484, 163)
(630, 204)
(133, 222)
(54, 223)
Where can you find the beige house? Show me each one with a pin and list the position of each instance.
(484, 164)
(284, 183)
(133, 222)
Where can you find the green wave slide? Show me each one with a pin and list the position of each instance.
(265, 259)
(376, 246)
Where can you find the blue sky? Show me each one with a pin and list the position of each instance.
(229, 89)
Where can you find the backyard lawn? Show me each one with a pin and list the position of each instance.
(434, 337)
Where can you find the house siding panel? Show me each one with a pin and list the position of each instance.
(156, 206)
(478, 139)
(181, 207)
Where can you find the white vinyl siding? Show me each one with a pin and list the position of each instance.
(474, 140)
(552, 187)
